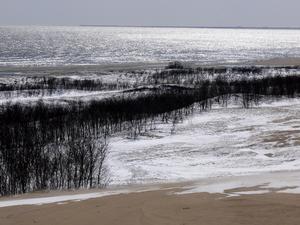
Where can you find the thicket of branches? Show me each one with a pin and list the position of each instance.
(175, 72)
(56, 83)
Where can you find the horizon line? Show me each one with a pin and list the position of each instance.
(187, 26)
(161, 26)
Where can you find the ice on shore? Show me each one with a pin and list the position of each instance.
(279, 182)
(59, 199)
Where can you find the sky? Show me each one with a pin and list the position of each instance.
(215, 13)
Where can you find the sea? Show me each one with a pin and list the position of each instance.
(84, 45)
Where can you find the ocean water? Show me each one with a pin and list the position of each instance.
(51, 46)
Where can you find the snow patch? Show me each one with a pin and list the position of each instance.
(59, 199)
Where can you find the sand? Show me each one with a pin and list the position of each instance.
(162, 208)
(40, 70)
(255, 203)
(278, 62)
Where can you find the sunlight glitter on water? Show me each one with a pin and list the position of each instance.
(101, 45)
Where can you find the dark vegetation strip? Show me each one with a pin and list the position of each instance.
(174, 73)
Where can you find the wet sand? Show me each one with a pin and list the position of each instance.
(162, 208)
(40, 70)
(278, 62)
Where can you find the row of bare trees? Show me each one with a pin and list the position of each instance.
(174, 73)
(31, 160)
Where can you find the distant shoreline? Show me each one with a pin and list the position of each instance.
(154, 26)
(273, 62)
(198, 27)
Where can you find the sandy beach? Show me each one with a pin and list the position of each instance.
(278, 62)
(262, 200)
(159, 207)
